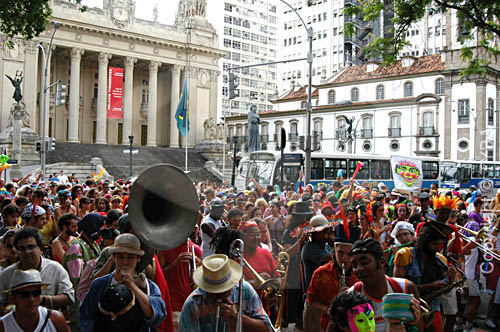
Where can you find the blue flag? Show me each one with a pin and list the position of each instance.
(182, 113)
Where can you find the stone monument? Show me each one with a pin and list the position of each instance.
(212, 145)
(253, 129)
(18, 138)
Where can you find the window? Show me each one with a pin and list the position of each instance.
(463, 111)
(364, 172)
(331, 97)
(293, 128)
(491, 111)
(333, 166)
(430, 170)
(354, 94)
(440, 86)
(395, 126)
(317, 171)
(367, 130)
(380, 92)
(341, 129)
(303, 104)
(381, 169)
(408, 89)
(428, 122)
(318, 129)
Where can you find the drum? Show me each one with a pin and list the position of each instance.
(397, 306)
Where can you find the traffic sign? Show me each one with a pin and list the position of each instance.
(12, 161)
(128, 151)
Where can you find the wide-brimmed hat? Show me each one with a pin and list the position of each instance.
(127, 243)
(302, 209)
(318, 223)
(217, 274)
(23, 279)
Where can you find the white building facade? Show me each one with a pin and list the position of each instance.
(249, 35)
(156, 59)
(417, 107)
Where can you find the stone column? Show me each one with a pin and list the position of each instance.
(152, 103)
(17, 112)
(128, 99)
(480, 123)
(174, 100)
(102, 95)
(74, 95)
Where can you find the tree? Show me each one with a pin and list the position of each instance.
(479, 22)
(25, 18)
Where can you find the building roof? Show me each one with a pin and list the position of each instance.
(297, 95)
(424, 64)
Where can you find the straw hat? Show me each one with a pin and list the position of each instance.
(127, 243)
(23, 279)
(318, 223)
(217, 274)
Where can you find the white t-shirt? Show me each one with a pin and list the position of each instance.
(471, 261)
(63, 178)
(10, 323)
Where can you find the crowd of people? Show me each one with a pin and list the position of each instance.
(316, 258)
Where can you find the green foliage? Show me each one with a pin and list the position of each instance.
(25, 18)
(478, 18)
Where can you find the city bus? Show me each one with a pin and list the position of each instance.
(463, 174)
(264, 166)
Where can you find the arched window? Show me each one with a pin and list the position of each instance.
(395, 128)
(408, 89)
(318, 129)
(341, 129)
(367, 130)
(354, 94)
(231, 131)
(331, 97)
(303, 104)
(380, 92)
(491, 111)
(440, 86)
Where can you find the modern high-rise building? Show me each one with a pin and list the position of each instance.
(249, 34)
(332, 50)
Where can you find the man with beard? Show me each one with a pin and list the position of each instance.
(368, 265)
(210, 224)
(424, 265)
(68, 225)
(328, 281)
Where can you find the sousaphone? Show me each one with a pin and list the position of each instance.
(163, 206)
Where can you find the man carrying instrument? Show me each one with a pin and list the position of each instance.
(210, 224)
(328, 281)
(367, 260)
(147, 310)
(424, 265)
(213, 306)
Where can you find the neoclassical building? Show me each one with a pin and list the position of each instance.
(416, 107)
(156, 58)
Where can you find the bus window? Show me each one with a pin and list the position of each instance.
(497, 171)
(332, 166)
(290, 174)
(364, 172)
(476, 171)
(431, 170)
(488, 171)
(381, 169)
(317, 172)
(465, 174)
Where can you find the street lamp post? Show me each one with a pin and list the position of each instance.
(46, 57)
(309, 92)
(131, 141)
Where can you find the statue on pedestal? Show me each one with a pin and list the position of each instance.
(16, 82)
(253, 129)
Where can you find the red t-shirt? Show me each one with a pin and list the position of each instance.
(261, 261)
(324, 287)
(179, 282)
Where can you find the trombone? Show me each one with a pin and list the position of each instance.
(487, 249)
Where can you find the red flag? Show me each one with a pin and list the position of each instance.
(168, 324)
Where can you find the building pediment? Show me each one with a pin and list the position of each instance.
(428, 98)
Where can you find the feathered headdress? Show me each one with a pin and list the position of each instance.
(444, 202)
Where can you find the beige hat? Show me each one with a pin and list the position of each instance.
(318, 223)
(127, 243)
(23, 279)
(217, 274)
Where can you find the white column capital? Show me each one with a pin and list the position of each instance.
(103, 58)
(76, 53)
(130, 61)
(176, 69)
(154, 65)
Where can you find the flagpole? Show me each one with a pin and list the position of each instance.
(188, 28)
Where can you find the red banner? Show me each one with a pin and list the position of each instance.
(115, 93)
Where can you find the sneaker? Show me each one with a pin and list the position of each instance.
(491, 324)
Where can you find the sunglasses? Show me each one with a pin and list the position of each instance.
(317, 201)
(26, 294)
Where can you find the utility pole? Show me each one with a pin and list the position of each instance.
(131, 140)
